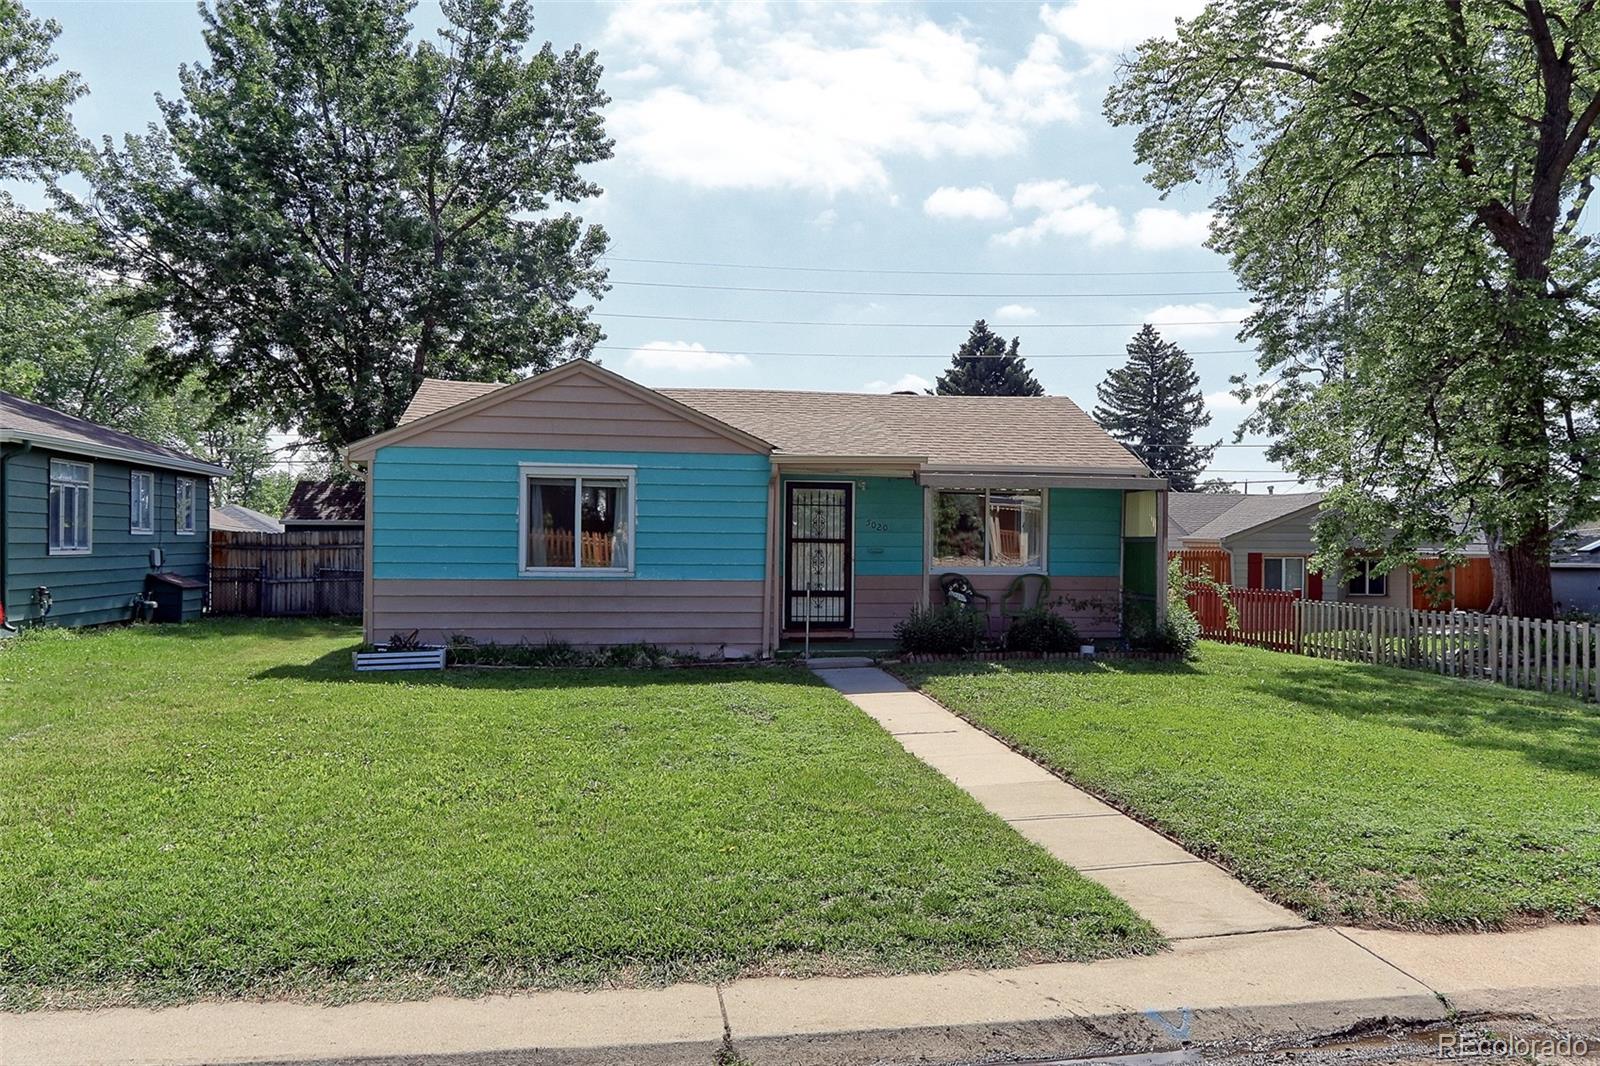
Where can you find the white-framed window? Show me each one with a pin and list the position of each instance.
(184, 521)
(71, 503)
(1365, 579)
(577, 519)
(988, 529)
(141, 502)
(1285, 572)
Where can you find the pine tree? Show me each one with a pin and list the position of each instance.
(985, 365)
(1154, 406)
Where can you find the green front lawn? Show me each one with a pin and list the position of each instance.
(1354, 794)
(225, 809)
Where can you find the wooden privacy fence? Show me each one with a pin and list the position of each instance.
(1202, 562)
(305, 572)
(1527, 653)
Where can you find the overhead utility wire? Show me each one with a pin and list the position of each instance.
(920, 273)
(918, 325)
(905, 355)
(942, 295)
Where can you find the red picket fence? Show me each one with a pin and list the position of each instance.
(1264, 618)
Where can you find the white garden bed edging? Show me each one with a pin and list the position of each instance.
(428, 657)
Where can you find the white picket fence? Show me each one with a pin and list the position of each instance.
(1520, 652)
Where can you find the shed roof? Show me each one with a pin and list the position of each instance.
(1019, 432)
(24, 421)
(237, 518)
(327, 501)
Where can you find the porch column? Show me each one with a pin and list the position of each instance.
(1161, 556)
(923, 595)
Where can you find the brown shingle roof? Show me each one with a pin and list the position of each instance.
(1015, 431)
(24, 420)
(327, 501)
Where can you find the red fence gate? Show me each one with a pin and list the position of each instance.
(1261, 618)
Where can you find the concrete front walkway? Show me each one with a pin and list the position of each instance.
(1180, 894)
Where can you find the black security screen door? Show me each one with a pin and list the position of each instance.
(817, 555)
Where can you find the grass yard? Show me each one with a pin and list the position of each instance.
(225, 809)
(1374, 796)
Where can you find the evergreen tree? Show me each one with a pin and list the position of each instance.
(1154, 405)
(985, 365)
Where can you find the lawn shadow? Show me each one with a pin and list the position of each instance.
(1553, 732)
(335, 667)
(982, 668)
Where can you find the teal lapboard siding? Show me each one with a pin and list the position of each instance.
(888, 526)
(1085, 532)
(452, 512)
(101, 586)
(888, 523)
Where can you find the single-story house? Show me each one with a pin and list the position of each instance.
(581, 506)
(1575, 571)
(237, 518)
(1266, 541)
(96, 524)
(326, 505)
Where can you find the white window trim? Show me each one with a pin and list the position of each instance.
(629, 474)
(1365, 566)
(134, 529)
(1305, 572)
(935, 567)
(177, 507)
(89, 511)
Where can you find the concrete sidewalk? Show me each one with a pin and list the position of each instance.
(1180, 894)
(1285, 986)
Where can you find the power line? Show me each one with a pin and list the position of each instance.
(940, 295)
(900, 355)
(920, 273)
(911, 325)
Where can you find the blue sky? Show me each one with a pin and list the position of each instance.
(870, 140)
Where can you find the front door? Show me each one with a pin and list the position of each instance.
(817, 554)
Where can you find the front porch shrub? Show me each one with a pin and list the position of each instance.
(1040, 629)
(949, 629)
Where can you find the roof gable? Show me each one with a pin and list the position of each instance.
(440, 410)
(1216, 516)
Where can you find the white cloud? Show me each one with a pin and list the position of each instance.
(821, 98)
(1063, 210)
(1200, 320)
(904, 383)
(1117, 25)
(682, 357)
(977, 202)
(1015, 313)
(1162, 228)
(1223, 400)
(825, 219)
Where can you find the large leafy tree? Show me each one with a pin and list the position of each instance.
(1153, 404)
(37, 138)
(1403, 190)
(987, 365)
(333, 211)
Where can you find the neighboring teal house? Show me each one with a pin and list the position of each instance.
(581, 506)
(97, 525)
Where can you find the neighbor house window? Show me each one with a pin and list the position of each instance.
(1365, 578)
(186, 504)
(71, 504)
(994, 528)
(1287, 573)
(141, 502)
(577, 518)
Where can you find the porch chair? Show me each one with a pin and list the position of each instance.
(958, 590)
(1018, 601)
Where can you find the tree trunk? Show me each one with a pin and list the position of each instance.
(1500, 569)
(1526, 591)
